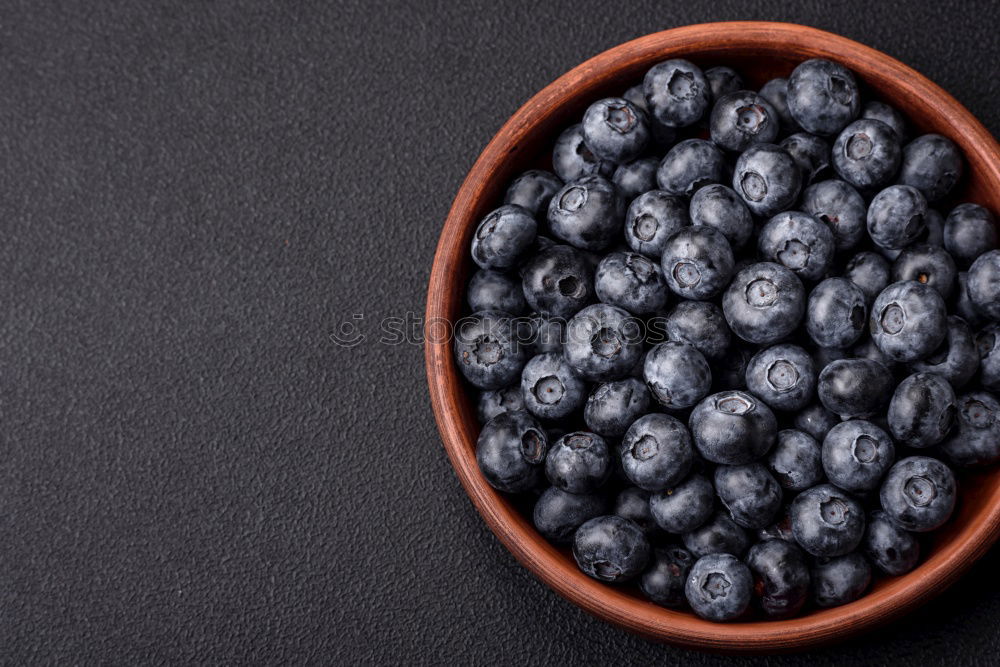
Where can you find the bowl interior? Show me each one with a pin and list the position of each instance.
(759, 51)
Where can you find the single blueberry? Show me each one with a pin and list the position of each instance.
(838, 581)
(854, 387)
(796, 460)
(496, 401)
(677, 374)
(963, 305)
(690, 165)
(677, 93)
(969, 231)
(656, 452)
(603, 342)
(632, 503)
(613, 406)
(956, 359)
(720, 208)
(741, 119)
(614, 129)
(908, 321)
(888, 115)
(572, 160)
(719, 587)
(984, 284)
(487, 351)
(839, 206)
(732, 427)
(928, 265)
(783, 376)
(896, 216)
(749, 492)
(651, 219)
(781, 577)
(823, 96)
(502, 237)
(931, 164)
(976, 438)
(533, 191)
(579, 462)
(922, 411)
(631, 281)
(775, 91)
(811, 153)
(988, 344)
(827, 521)
(767, 178)
(636, 97)
(723, 80)
(700, 324)
(511, 451)
(816, 421)
(866, 154)
(558, 514)
(719, 535)
(663, 582)
(764, 303)
(836, 314)
(856, 455)
(492, 290)
(697, 262)
(685, 507)
(893, 550)
(870, 272)
(558, 281)
(799, 242)
(919, 494)
(551, 388)
(610, 548)
(636, 177)
(587, 213)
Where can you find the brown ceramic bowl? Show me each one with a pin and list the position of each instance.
(759, 51)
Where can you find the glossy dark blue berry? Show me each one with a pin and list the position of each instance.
(610, 548)
(781, 577)
(767, 178)
(932, 164)
(697, 262)
(615, 129)
(796, 461)
(927, 264)
(908, 321)
(836, 314)
(764, 303)
(571, 159)
(677, 374)
(976, 438)
(741, 119)
(799, 242)
(603, 342)
(816, 421)
(700, 324)
(732, 427)
(896, 216)
(558, 514)
(632, 503)
(922, 411)
(775, 91)
(502, 237)
(720, 208)
(690, 165)
(551, 388)
(892, 549)
(988, 343)
(663, 581)
(919, 494)
(533, 191)
(823, 97)
(656, 452)
(854, 387)
(720, 534)
(984, 284)
(677, 93)
(651, 219)
(956, 359)
(558, 281)
(749, 492)
(866, 154)
(783, 376)
(969, 231)
(839, 206)
(869, 271)
(811, 153)
(511, 452)
(838, 581)
(631, 281)
(634, 178)
(613, 406)
(888, 115)
(719, 587)
(685, 507)
(827, 521)
(579, 462)
(487, 351)
(587, 213)
(492, 290)
(723, 80)
(495, 401)
(856, 455)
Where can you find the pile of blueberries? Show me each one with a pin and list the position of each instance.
(737, 341)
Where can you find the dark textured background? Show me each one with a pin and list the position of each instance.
(193, 196)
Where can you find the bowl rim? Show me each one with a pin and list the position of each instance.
(458, 427)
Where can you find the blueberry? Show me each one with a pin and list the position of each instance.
(634, 178)
(767, 178)
(988, 343)
(783, 376)
(929, 265)
(870, 272)
(551, 388)
(558, 514)
(633, 504)
(572, 160)
(741, 119)
(502, 237)
(636, 97)
(781, 577)
(656, 452)
(749, 492)
(677, 93)
(956, 359)
(798, 241)
(732, 427)
(764, 303)
(496, 401)
(984, 284)
(931, 164)
(533, 191)
(720, 534)
(854, 387)
(934, 225)
(775, 91)
(969, 231)
(613, 406)
(896, 216)
(579, 462)
(487, 351)
(700, 324)
(663, 582)
(836, 314)
(856, 455)
(610, 548)
(922, 410)
(730, 372)
(908, 321)
(511, 451)
(603, 342)
(919, 494)
(719, 587)
(811, 153)
(587, 213)
(685, 507)
(963, 302)
(558, 281)
(690, 165)
(823, 96)
(796, 460)
(839, 206)
(815, 421)
(720, 208)
(492, 290)
(827, 521)
(697, 262)
(976, 439)
(888, 115)
(545, 334)
(838, 581)
(867, 153)
(614, 129)
(893, 550)
(631, 281)
(677, 374)
(652, 217)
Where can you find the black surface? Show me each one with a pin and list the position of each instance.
(193, 197)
